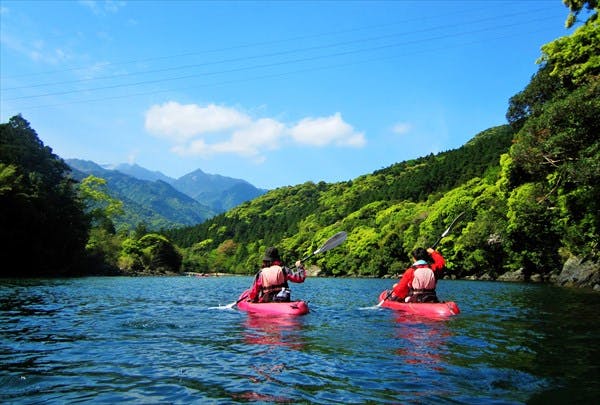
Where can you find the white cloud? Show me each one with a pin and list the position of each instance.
(250, 141)
(182, 122)
(402, 128)
(36, 50)
(104, 7)
(211, 129)
(325, 131)
(261, 136)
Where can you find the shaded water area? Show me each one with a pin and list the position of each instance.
(171, 340)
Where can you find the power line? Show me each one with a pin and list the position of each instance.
(262, 56)
(281, 74)
(286, 62)
(263, 43)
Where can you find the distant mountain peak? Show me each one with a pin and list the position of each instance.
(218, 192)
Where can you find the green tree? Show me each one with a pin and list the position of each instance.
(533, 231)
(553, 175)
(542, 88)
(103, 245)
(100, 206)
(160, 254)
(44, 227)
(576, 6)
(575, 59)
(151, 254)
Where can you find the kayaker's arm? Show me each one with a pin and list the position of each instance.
(297, 275)
(438, 262)
(253, 292)
(400, 289)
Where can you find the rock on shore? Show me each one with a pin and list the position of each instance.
(577, 272)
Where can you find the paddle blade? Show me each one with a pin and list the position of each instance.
(332, 242)
(452, 224)
(445, 233)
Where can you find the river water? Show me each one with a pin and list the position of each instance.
(174, 341)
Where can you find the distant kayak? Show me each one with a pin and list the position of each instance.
(429, 309)
(272, 308)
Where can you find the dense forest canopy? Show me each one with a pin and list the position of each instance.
(44, 229)
(529, 190)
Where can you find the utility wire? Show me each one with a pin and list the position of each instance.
(278, 41)
(281, 74)
(267, 55)
(280, 63)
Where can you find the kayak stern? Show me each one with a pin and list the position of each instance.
(293, 308)
(427, 309)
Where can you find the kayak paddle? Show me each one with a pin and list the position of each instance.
(443, 235)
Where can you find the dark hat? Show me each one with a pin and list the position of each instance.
(271, 254)
(421, 254)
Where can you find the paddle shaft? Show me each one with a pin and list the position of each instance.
(445, 233)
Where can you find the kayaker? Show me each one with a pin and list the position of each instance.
(271, 282)
(418, 281)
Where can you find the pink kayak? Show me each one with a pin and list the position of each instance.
(272, 308)
(429, 309)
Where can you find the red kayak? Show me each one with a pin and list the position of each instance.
(272, 308)
(428, 309)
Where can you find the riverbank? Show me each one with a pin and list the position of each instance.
(576, 273)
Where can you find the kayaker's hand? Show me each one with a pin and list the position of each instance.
(430, 250)
(391, 296)
(299, 264)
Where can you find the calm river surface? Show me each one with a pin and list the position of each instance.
(171, 341)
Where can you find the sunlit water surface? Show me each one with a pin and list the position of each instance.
(173, 340)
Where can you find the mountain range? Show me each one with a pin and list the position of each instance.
(159, 201)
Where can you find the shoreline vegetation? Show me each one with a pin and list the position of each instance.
(574, 274)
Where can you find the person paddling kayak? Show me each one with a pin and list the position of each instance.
(271, 282)
(419, 280)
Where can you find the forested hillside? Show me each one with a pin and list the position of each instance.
(219, 193)
(299, 217)
(160, 202)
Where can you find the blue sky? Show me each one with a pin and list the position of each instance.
(277, 93)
